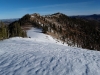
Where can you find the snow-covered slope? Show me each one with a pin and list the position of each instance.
(37, 36)
(41, 56)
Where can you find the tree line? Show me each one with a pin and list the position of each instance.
(80, 32)
(4, 32)
(12, 30)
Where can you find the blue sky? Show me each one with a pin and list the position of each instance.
(18, 8)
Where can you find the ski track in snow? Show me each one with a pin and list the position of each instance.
(30, 56)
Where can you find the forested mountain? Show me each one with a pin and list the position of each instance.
(17, 28)
(13, 29)
(74, 31)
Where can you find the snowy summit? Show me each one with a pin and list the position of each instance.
(42, 55)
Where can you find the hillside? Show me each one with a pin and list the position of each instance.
(41, 55)
(73, 31)
(77, 32)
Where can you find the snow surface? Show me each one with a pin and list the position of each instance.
(38, 36)
(39, 55)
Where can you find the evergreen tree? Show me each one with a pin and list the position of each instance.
(3, 31)
(45, 29)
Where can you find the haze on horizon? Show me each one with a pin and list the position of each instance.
(18, 8)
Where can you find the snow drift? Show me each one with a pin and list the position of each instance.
(42, 55)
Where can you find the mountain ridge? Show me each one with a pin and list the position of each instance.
(73, 31)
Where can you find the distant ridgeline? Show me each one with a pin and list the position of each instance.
(71, 30)
(89, 17)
